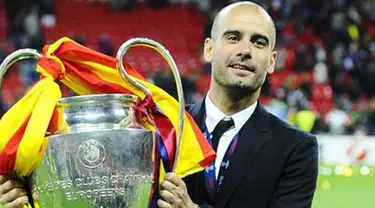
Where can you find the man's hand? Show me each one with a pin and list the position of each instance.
(174, 194)
(12, 194)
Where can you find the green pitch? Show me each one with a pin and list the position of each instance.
(353, 187)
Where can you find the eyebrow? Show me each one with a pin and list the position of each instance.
(231, 32)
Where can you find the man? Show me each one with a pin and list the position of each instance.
(268, 162)
(273, 164)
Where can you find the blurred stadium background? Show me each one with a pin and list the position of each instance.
(323, 81)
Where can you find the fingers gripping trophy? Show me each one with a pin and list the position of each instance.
(97, 149)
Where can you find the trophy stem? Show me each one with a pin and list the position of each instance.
(17, 55)
(167, 56)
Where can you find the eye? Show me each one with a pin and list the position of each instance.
(260, 43)
(232, 38)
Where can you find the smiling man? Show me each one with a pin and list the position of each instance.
(261, 161)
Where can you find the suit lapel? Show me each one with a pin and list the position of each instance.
(197, 112)
(254, 135)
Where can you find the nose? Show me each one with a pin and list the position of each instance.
(244, 50)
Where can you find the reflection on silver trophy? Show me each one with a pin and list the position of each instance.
(100, 156)
(100, 160)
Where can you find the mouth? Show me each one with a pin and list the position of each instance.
(241, 66)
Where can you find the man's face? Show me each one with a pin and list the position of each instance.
(241, 51)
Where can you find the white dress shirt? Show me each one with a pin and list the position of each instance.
(214, 116)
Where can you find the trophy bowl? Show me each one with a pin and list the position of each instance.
(100, 158)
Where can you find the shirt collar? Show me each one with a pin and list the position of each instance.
(214, 115)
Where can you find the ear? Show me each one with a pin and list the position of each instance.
(271, 67)
(208, 49)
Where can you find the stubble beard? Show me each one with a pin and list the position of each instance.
(238, 88)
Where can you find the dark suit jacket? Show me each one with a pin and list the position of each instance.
(274, 166)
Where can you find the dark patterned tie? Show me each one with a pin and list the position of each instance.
(224, 125)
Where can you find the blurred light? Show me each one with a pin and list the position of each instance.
(326, 185)
(339, 170)
(365, 170)
(327, 171)
(348, 172)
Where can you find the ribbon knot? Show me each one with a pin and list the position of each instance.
(51, 66)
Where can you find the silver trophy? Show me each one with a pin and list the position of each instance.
(101, 156)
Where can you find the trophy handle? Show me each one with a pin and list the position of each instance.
(167, 56)
(11, 59)
(15, 56)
